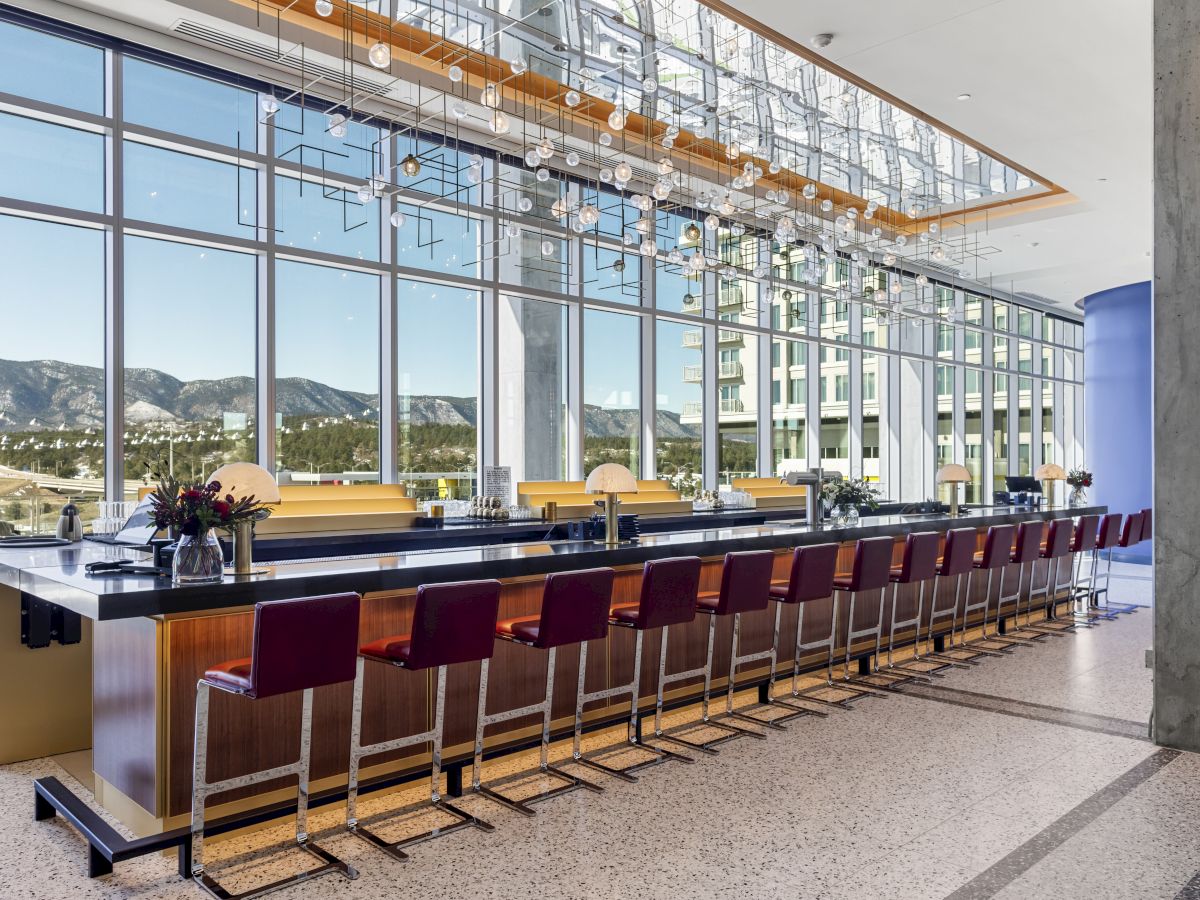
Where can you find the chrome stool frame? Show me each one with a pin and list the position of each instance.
(922, 674)
(570, 782)
(830, 645)
(201, 789)
(1019, 635)
(434, 736)
(797, 711)
(967, 608)
(965, 659)
(877, 633)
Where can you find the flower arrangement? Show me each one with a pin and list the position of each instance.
(1079, 478)
(194, 508)
(851, 493)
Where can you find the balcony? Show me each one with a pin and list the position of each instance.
(731, 296)
(693, 303)
(728, 336)
(732, 406)
(692, 409)
(693, 339)
(730, 370)
(693, 374)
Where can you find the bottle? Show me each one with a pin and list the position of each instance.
(70, 526)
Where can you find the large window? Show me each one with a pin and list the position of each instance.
(679, 405)
(189, 359)
(612, 423)
(326, 373)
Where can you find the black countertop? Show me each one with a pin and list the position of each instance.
(57, 574)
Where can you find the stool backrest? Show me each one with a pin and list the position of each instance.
(454, 623)
(872, 563)
(1131, 532)
(958, 552)
(575, 607)
(920, 556)
(669, 588)
(1147, 523)
(1058, 539)
(1029, 542)
(745, 581)
(1087, 533)
(304, 643)
(997, 546)
(1110, 531)
(813, 568)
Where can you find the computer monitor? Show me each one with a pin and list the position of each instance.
(1018, 484)
(139, 528)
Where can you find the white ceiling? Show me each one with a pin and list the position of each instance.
(1060, 87)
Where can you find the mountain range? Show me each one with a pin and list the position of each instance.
(54, 393)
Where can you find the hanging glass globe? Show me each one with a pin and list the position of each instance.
(661, 190)
(934, 228)
(476, 160)
(269, 105)
(868, 213)
(531, 158)
(668, 143)
(628, 239)
(826, 205)
(727, 208)
(841, 222)
(380, 55)
(605, 139)
(518, 65)
(896, 287)
(623, 171)
(542, 175)
(939, 252)
(337, 125)
(760, 271)
(922, 280)
(572, 98)
(643, 226)
(872, 205)
(912, 210)
(696, 262)
(675, 256)
(889, 259)
(809, 191)
(512, 230)
(455, 74)
(460, 110)
(711, 222)
(606, 175)
(577, 227)
(559, 208)
(739, 183)
(616, 119)
(366, 193)
(691, 232)
(771, 195)
(665, 166)
(774, 168)
(572, 158)
(737, 229)
(649, 84)
(525, 204)
(475, 174)
(410, 166)
(498, 122)
(851, 212)
(648, 248)
(880, 295)
(901, 240)
(588, 214)
(547, 248)
(398, 219)
(545, 149)
(324, 8)
(876, 232)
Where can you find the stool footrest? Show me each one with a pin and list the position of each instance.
(395, 849)
(571, 783)
(658, 756)
(330, 863)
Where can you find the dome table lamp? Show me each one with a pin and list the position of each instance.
(953, 474)
(611, 479)
(1050, 472)
(243, 480)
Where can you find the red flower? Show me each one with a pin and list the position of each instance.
(221, 508)
(191, 494)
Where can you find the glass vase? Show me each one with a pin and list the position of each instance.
(198, 559)
(1078, 497)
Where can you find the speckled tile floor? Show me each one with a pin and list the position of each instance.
(901, 797)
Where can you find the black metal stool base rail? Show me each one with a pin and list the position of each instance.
(107, 846)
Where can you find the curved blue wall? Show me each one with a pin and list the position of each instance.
(1118, 401)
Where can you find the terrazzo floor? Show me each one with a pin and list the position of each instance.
(1027, 776)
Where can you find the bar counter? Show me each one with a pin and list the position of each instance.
(148, 641)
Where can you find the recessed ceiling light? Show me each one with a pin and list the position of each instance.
(822, 40)
(1102, 179)
(964, 96)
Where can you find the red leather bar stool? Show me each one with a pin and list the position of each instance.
(1027, 548)
(298, 645)
(745, 587)
(996, 554)
(1083, 541)
(1132, 534)
(574, 610)
(452, 623)
(809, 580)
(955, 562)
(872, 572)
(1109, 537)
(919, 566)
(1055, 549)
(667, 597)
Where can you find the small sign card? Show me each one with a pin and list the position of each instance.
(497, 482)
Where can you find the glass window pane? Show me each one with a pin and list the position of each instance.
(612, 275)
(303, 137)
(611, 390)
(737, 407)
(438, 241)
(51, 69)
(532, 369)
(187, 412)
(51, 376)
(49, 163)
(326, 374)
(437, 335)
(679, 415)
(187, 191)
(325, 218)
(170, 100)
(789, 362)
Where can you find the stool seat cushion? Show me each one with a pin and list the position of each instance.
(523, 628)
(394, 649)
(233, 675)
(843, 582)
(708, 601)
(626, 613)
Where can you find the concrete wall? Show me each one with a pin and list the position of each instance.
(1118, 392)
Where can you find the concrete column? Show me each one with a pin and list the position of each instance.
(1177, 373)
